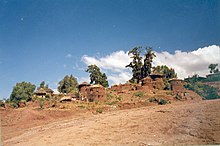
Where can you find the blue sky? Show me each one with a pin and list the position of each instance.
(36, 36)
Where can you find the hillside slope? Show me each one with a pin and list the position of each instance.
(186, 123)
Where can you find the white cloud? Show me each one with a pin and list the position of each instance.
(83, 79)
(189, 63)
(69, 56)
(184, 63)
(115, 61)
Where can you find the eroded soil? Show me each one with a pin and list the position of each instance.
(179, 123)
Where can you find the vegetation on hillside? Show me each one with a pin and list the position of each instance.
(195, 84)
(140, 69)
(96, 76)
(68, 84)
(22, 92)
(168, 73)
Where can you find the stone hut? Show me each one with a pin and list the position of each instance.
(96, 93)
(84, 90)
(41, 93)
(176, 84)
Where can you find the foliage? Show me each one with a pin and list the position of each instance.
(139, 94)
(96, 76)
(162, 101)
(41, 103)
(136, 64)
(213, 68)
(99, 111)
(140, 70)
(22, 91)
(2, 104)
(208, 92)
(166, 71)
(42, 85)
(148, 59)
(68, 84)
(152, 99)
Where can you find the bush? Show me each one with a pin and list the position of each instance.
(2, 104)
(41, 103)
(118, 98)
(99, 111)
(162, 101)
(13, 105)
(152, 99)
(139, 94)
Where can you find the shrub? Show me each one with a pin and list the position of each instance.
(99, 111)
(81, 106)
(41, 103)
(2, 104)
(118, 98)
(14, 104)
(139, 94)
(152, 99)
(162, 101)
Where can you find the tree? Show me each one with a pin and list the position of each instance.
(166, 71)
(148, 59)
(140, 70)
(136, 64)
(22, 91)
(42, 85)
(213, 68)
(96, 76)
(68, 84)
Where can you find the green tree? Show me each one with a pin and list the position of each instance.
(136, 64)
(166, 71)
(96, 76)
(148, 59)
(140, 70)
(213, 68)
(68, 84)
(22, 91)
(42, 84)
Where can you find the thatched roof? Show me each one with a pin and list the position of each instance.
(48, 90)
(97, 86)
(41, 91)
(66, 98)
(84, 84)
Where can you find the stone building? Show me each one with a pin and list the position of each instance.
(176, 85)
(96, 93)
(84, 90)
(92, 92)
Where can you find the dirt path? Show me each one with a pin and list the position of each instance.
(189, 123)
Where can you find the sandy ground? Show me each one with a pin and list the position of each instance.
(185, 123)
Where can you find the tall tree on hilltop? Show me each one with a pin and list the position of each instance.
(96, 76)
(148, 59)
(42, 85)
(140, 70)
(68, 84)
(136, 64)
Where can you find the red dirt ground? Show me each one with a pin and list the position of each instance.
(177, 123)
